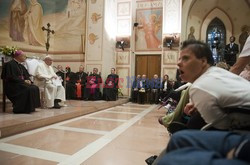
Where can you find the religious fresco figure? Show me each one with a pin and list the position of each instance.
(191, 34)
(34, 22)
(151, 28)
(18, 9)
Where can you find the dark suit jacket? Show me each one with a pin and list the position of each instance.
(230, 53)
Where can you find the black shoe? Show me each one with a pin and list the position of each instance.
(57, 106)
(151, 159)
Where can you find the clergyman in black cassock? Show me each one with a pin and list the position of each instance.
(92, 91)
(70, 84)
(110, 90)
(24, 96)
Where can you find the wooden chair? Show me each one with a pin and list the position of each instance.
(3, 95)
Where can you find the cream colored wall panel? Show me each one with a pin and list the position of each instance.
(123, 73)
(74, 66)
(123, 58)
(170, 71)
(94, 31)
(170, 57)
(89, 67)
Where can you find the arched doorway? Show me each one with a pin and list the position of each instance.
(216, 38)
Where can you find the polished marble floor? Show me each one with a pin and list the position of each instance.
(122, 135)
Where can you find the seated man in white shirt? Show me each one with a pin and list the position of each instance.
(213, 88)
(47, 78)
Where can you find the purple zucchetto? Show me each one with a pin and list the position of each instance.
(18, 53)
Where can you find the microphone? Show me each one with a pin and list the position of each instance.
(183, 87)
(59, 70)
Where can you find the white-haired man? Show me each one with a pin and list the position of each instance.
(46, 77)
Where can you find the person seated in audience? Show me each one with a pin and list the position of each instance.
(47, 78)
(24, 96)
(92, 91)
(243, 60)
(212, 88)
(166, 87)
(134, 89)
(81, 80)
(61, 73)
(70, 84)
(110, 90)
(143, 89)
(209, 147)
(155, 85)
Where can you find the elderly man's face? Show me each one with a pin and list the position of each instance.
(48, 61)
(21, 58)
(112, 71)
(95, 71)
(81, 69)
(190, 67)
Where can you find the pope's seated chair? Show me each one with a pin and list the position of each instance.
(31, 65)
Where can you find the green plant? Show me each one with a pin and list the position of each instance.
(8, 51)
(120, 92)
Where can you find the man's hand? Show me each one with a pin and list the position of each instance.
(54, 77)
(189, 109)
(230, 154)
(27, 82)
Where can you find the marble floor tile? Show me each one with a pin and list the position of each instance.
(61, 141)
(114, 115)
(94, 124)
(7, 158)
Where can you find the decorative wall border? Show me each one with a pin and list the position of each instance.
(119, 4)
(170, 57)
(123, 56)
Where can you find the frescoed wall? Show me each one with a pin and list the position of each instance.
(21, 22)
(149, 29)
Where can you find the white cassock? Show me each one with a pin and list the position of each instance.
(53, 89)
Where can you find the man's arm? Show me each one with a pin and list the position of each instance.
(240, 64)
(41, 74)
(207, 105)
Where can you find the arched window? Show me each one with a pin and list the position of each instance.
(216, 38)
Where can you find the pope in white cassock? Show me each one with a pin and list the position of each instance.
(46, 77)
